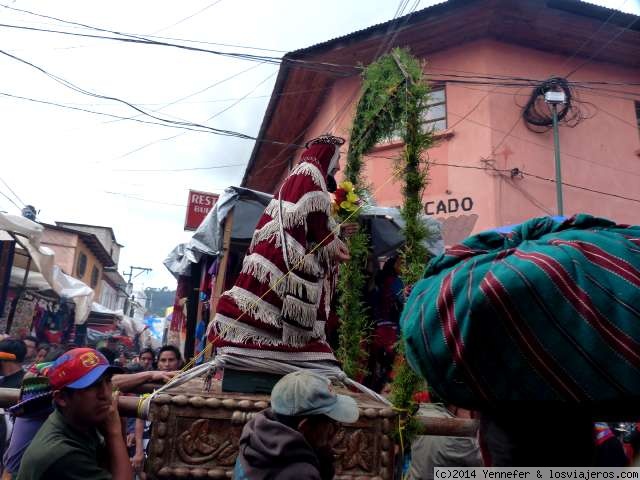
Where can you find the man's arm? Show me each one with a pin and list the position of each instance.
(128, 381)
(117, 454)
(137, 461)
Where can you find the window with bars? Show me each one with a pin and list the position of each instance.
(95, 276)
(435, 117)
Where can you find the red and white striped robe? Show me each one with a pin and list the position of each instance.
(268, 314)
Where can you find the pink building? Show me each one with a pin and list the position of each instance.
(488, 168)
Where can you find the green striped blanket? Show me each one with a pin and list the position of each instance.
(550, 311)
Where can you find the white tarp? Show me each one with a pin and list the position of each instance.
(44, 258)
(247, 206)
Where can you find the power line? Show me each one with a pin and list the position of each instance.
(634, 19)
(149, 144)
(134, 197)
(209, 87)
(524, 173)
(60, 105)
(189, 17)
(80, 25)
(10, 199)
(178, 169)
(186, 125)
(12, 191)
(584, 44)
(335, 69)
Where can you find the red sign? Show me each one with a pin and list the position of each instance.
(199, 205)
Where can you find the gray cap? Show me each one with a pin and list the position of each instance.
(304, 393)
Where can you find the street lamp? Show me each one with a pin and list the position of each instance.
(555, 98)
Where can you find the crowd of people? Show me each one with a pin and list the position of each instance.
(66, 424)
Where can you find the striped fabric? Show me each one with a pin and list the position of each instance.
(550, 311)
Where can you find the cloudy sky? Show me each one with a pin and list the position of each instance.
(83, 167)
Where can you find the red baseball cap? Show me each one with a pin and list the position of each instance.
(79, 368)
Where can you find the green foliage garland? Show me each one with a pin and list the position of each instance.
(378, 114)
(394, 98)
(414, 253)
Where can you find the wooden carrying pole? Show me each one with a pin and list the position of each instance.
(128, 407)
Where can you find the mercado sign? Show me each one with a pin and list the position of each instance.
(448, 206)
(198, 206)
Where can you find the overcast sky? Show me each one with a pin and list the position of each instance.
(76, 166)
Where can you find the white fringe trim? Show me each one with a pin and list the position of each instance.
(301, 312)
(299, 287)
(233, 331)
(328, 253)
(306, 168)
(266, 272)
(253, 305)
(300, 260)
(298, 256)
(268, 232)
(292, 335)
(295, 214)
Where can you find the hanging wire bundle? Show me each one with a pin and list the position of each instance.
(537, 114)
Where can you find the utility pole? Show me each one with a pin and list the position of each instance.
(141, 271)
(129, 302)
(555, 98)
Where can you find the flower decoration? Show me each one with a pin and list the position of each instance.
(345, 200)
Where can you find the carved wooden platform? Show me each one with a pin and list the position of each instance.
(195, 434)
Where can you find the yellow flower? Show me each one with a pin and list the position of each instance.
(347, 186)
(348, 206)
(352, 197)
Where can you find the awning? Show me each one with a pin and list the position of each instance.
(247, 206)
(29, 234)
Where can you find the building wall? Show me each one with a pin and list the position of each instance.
(104, 236)
(108, 296)
(64, 246)
(91, 262)
(601, 153)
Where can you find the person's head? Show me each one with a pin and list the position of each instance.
(12, 354)
(147, 358)
(325, 150)
(169, 358)
(81, 383)
(43, 350)
(305, 402)
(392, 267)
(32, 347)
(109, 354)
(122, 359)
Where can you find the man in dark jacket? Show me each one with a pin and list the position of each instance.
(290, 441)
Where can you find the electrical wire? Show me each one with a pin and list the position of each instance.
(134, 197)
(209, 87)
(167, 122)
(633, 21)
(189, 17)
(591, 37)
(153, 170)
(523, 173)
(154, 142)
(12, 191)
(335, 69)
(83, 26)
(11, 200)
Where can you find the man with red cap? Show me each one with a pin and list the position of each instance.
(279, 304)
(82, 438)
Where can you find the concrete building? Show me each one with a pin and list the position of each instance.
(487, 167)
(89, 253)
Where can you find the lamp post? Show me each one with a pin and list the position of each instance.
(555, 98)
